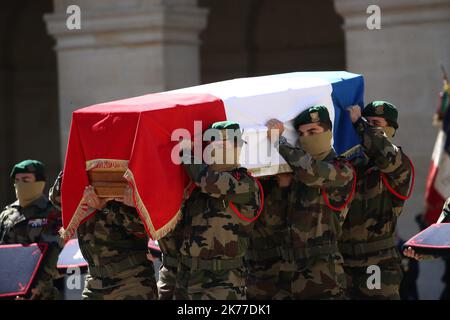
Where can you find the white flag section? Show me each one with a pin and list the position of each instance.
(253, 101)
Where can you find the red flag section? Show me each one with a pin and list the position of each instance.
(134, 134)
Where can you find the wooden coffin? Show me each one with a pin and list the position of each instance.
(108, 182)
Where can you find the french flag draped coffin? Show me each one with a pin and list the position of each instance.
(140, 135)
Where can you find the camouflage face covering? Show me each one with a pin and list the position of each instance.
(26, 193)
(317, 145)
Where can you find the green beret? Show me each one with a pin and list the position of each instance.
(227, 128)
(384, 110)
(314, 114)
(30, 166)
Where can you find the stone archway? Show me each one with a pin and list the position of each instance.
(28, 91)
(257, 37)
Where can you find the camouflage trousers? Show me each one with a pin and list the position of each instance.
(315, 279)
(135, 283)
(390, 278)
(210, 285)
(262, 279)
(166, 282)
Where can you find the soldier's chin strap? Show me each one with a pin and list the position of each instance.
(347, 201)
(391, 189)
(261, 192)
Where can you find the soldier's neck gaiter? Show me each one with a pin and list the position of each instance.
(27, 192)
(389, 131)
(317, 145)
(226, 159)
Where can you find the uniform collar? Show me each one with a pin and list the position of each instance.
(40, 204)
(331, 156)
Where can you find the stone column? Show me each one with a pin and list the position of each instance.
(401, 63)
(124, 48)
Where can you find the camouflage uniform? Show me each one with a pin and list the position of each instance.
(38, 222)
(369, 230)
(170, 247)
(114, 243)
(264, 254)
(312, 265)
(214, 237)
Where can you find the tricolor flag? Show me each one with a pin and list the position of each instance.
(137, 135)
(438, 181)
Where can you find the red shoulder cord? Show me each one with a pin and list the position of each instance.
(240, 215)
(352, 192)
(391, 190)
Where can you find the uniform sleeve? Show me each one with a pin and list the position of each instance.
(219, 184)
(54, 193)
(387, 157)
(44, 288)
(3, 227)
(315, 173)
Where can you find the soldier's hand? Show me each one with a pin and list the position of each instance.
(284, 179)
(355, 113)
(275, 128)
(410, 253)
(92, 199)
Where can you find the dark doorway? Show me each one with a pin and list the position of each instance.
(28, 91)
(257, 37)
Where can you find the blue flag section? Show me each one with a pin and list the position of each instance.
(347, 90)
(19, 265)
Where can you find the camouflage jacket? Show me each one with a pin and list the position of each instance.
(112, 235)
(212, 230)
(313, 227)
(374, 211)
(170, 245)
(39, 222)
(270, 228)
